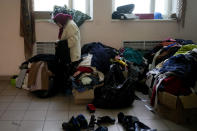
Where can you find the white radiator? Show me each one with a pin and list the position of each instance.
(44, 48)
(141, 45)
(49, 47)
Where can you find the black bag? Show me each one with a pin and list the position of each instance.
(117, 91)
(126, 9)
(118, 15)
(65, 68)
(119, 97)
(62, 54)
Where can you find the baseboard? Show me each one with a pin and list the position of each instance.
(5, 77)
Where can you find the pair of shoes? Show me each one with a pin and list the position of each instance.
(100, 120)
(105, 120)
(102, 129)
(139, 126)
(132, 123)
(75, 124)
(92, 122)
(82, 121)
(72, 125)
(127, 121)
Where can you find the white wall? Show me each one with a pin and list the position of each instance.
(102, 29)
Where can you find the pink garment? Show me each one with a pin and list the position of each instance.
(62, 19)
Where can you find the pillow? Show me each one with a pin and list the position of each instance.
(78, 17)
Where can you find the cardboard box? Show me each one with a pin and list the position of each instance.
(85, 97)
(181, 109)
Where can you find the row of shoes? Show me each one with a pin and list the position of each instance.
(80, 122)
(130, 123)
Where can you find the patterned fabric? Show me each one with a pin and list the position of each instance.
(181, 11)
(27, 26)
(78, 16)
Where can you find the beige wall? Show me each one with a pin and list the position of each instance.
(102, 29)
(11, 44)
(110, 32)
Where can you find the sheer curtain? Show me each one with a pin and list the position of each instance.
(181, 11)
(166, 7)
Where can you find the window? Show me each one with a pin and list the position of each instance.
(165, 7)
(47, 5)
(141, 6)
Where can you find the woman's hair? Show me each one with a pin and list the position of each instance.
(62, 18)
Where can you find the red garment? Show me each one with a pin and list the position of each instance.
(174, 85)
(84, 69)
(152, 100)
(166, 43)
(62, 19)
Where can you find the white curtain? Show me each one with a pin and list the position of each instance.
(181, 11)
(166, 7)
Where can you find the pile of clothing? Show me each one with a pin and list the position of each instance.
(47, 74)
(101, 67)
(94, 64)
(37, 75)
(108, 71)
(172, 68)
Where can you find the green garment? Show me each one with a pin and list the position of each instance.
(185, 49)
(133, 56)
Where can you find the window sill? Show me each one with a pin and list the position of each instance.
(51, 21)
(145, 20)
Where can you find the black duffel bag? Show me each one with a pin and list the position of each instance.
(109, 97)
(117, 92)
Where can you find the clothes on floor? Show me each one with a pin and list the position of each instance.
(157, 83)
(50, 59)
(150, 77)
(183, 66)
(85, 82)
(152, 66)
(185, 49)
(86, 60)
(84, 69)
(184, 42)
(175, 74)
(101, 55)
(87, 48)
(133, 56)
(174, 85)
(167, 53)
(33, 73)
(38, 77)
(101, 58)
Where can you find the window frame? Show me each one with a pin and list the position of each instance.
(47, 14)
